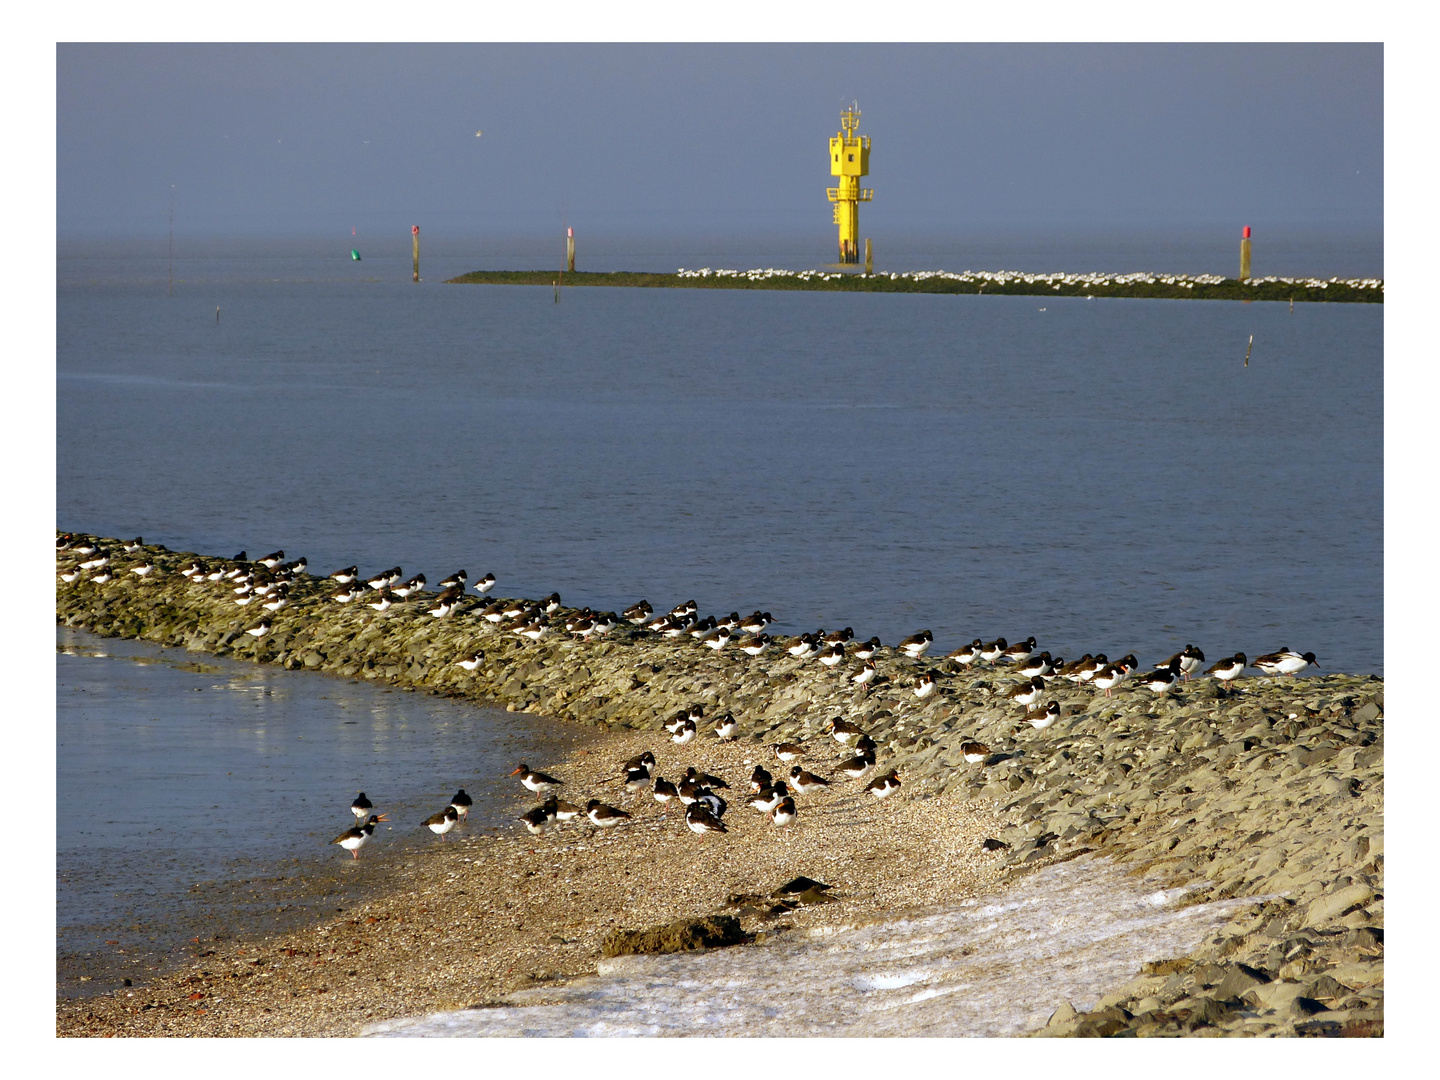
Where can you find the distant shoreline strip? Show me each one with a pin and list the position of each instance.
(975, 282)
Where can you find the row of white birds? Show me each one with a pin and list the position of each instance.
(267, 582)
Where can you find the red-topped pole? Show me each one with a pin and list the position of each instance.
(1245, 254)
(415, 240)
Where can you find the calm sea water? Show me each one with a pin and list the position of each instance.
(1106, 475)
(197, 795)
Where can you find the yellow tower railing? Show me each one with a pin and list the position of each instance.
(849, 160)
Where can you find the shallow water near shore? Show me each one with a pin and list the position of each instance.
(197, 796)
(995, 965)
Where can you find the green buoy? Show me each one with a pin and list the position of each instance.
(354, 254)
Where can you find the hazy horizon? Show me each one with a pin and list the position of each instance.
(715, 140)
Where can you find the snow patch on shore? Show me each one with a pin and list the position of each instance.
(983, 967)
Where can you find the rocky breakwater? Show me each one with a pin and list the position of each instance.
(1271, 788)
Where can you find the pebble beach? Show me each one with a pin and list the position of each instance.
(1265, 790)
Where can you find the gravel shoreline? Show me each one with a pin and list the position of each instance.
(1267, 786)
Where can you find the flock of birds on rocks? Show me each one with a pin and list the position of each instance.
(267, 582)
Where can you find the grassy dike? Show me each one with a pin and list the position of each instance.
(1146, 286)
(1270, 788)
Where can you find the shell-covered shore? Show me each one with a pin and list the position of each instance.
(1266, 787)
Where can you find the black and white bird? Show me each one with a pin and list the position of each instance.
(866, 649)
(784, 813)
(353, 839)
(865, 676)
(925, 685)
(638, 614)
(443, 822)
(1190, 659)
(993, 650)
(843, 731)
(883, 787)
(967, 654)
(702, 820)
(685, 734)
(485, 584)
(454, 581)
(1021, 650)
(534, 781)
(603, 815)
(345, 576)
(806, 782)
(361, 806)
(917, 645)
(1040, 719)
(1227, 670)
(259, 630)
(1284, 662)
(1162, 680)
(726, 728)
(461, 804)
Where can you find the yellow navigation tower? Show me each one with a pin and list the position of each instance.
(849, 160)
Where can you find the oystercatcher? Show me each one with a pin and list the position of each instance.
(974, 752)
(925, 685)
(345, 576)
(866, 649)
(537, 782)
(701, 820)
(704, 779)
(1021, 650)
(806, 782)
(865, 675)
(916, 645)
(993, 650)
(788, 751)
(485, 584)
(843, 731)
(1284, 662)
(726, 728)
(603, 815)
(769, 796)
(443, 822)
(784, 812)
(1226, 670)
(755, 645)
(967, 654)
(639, 613)
(353, 839)
(857, 766)
(882, 787)
(461, 804)
(1040, 719)
(1190, 659)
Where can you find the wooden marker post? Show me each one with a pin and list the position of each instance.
(1245, 254)
(570, 249)
(415, 242)
(869, 259)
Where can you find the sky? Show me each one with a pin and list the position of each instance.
(276, 139)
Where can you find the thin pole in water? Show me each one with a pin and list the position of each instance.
(1248, 348)
(217, 314)
(170, 290)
